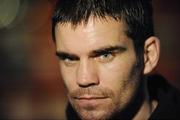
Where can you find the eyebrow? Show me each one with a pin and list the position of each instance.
(64, 55)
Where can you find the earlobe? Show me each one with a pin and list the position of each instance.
(151, 54)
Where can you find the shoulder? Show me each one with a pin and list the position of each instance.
(168, 98)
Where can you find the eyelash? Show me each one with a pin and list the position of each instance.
(68, 58)
(106, 53)
(97, 55)
(68, 61)
(63, 58)
(103, 57)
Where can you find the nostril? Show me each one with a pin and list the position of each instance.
(88, 80)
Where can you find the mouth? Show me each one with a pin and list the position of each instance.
(89, 100)
(89, 97)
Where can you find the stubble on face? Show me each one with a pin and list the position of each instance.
(113, 103)
(103, 108)
(118, 79)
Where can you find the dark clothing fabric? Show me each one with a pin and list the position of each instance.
(167, 96)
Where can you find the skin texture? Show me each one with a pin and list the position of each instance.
(98, 83)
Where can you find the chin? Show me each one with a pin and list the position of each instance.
(98, 112)
(94, 115)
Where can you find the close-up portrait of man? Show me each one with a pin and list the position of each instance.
(107, 50)
(89, 60)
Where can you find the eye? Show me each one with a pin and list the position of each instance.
(69, 61)
(66, 58)
(105, 57)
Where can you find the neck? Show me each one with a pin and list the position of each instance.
(147, 106)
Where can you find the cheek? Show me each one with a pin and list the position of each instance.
(118, 77)
(68, 77)
(115, 77)
(117, 72)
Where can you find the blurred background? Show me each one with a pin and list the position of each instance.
(30, 83)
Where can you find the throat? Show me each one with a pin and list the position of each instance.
(147, 107)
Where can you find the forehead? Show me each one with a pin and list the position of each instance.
(93, 35)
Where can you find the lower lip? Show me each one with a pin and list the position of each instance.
(90, 101)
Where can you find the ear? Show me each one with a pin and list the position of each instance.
(151, 54)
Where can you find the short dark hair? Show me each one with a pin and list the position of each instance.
(137, 15)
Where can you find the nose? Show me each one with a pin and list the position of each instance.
(87, 74)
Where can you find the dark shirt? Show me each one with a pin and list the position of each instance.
(167, 96)
(159, 89)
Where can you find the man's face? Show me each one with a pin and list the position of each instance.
(98, 67)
